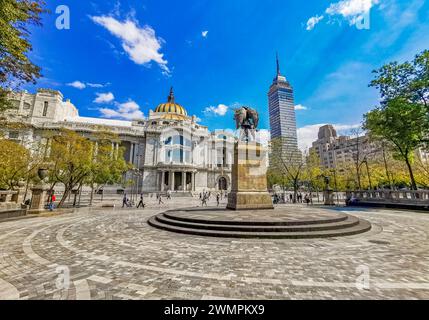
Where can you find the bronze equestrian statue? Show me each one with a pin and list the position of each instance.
(246, 119)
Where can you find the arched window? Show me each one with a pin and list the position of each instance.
(178, 149)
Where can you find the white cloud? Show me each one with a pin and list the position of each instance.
(311, 23)
(140, 43)
(308, 134)
(354, 11)
(95, 85)
(82, 85)
(104, 97)
(351, 10)
(128, 110)
(77, 84)
(220, 110)
(300, 107)
(263, 136)
(204, 34)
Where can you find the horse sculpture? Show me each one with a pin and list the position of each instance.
(246, 119)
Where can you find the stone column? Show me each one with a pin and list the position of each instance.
(172, 181)
(193, 178)
(183, 180)
(162, 180)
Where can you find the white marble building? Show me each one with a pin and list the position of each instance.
(170, 149)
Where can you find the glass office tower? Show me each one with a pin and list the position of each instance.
(282, 115)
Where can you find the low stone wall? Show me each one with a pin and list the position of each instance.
(410, 199)
(12, 214)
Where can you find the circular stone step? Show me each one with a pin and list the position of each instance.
(349, 221)
(293, 222)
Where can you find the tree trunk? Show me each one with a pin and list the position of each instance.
(64, 197)
(295, 191)
(358, 178)
(369, 175)
(92, 194)
(410, 171)
(387, 169)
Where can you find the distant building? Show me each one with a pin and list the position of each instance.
(334, 150)
(282, 115)
(170, 148)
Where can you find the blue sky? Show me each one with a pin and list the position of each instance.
(219, 54)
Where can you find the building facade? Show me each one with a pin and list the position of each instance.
(169, 148)
(281, 108)
(335, 151)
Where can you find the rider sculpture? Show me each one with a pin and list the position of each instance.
(247, 120)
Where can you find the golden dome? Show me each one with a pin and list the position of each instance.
(173, 116)
(171, 106)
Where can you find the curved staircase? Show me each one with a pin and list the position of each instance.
(216, 222)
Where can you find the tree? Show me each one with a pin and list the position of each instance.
(408, 80)
(402, 123)
(14, 164)
(422, 166)
(288, 163)
(313, 172)
(15, 67)
(70, 160)
(358, 157)
(108, 165)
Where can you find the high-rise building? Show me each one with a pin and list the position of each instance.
(282, 115)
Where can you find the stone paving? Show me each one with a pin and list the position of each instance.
(115, 254)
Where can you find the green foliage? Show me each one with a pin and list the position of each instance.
(109, 164)
(69, 160)
(409, 80)
(14, 163)
(313, 171)
(286, 166)
(403, 124)
(15, 68)
(75, 160)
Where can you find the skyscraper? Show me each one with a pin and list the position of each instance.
(282, 115)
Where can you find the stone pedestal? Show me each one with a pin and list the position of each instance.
(329, 197)
(39, 198)
(249, 178)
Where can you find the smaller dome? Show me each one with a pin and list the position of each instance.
(171, 106)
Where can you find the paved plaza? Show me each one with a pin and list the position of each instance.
(114, 254)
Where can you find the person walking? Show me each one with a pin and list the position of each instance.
(204, 201)
(307, 199)
(141, 202)
(51, 203)
(160, 200)
(124, 201)
(217, 199)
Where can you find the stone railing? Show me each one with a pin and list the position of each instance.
(80, 126)
(9, 200)
(8, 196)
(419, 198)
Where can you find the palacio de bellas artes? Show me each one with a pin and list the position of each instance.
(149, 152)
